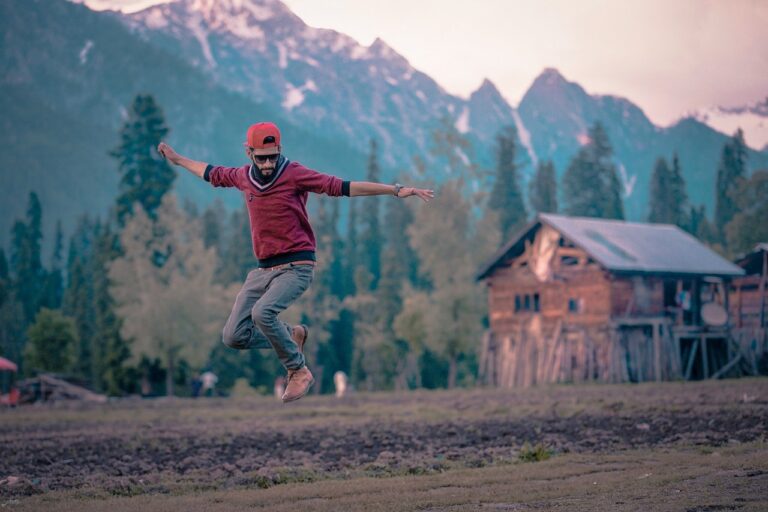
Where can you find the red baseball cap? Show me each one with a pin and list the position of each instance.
(264, 138)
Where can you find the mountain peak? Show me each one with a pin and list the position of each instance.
(551, 86)
(246, 19)
(488, 87)
(487, 92)
(261, 10)
(380, 48)
(550, 77)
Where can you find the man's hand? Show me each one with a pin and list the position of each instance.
(196, 168)
(422, 193)
(168, 153)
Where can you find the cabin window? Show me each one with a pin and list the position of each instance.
(575, 305)
(527, 302)
(569, 260)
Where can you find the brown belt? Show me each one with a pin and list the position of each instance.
(284, 265)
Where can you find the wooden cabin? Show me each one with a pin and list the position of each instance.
(749, 308)
(580, 299)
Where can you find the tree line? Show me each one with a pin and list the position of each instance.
(138, 303)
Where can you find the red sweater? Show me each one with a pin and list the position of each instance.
(277, 209)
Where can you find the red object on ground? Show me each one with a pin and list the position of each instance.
(6, 364)
(12, 398)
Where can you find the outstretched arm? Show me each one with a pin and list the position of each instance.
(193, 166)
(366, 188)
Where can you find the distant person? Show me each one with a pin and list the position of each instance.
(340, 381)
(146, 386)
(209, 380)
(275, 191)
(197, 384)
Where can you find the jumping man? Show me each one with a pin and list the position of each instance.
(275, 191)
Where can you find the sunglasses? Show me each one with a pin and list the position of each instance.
(266, 158)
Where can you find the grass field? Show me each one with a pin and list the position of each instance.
(672, 446)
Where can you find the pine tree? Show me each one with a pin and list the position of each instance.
(731, 171)
(699, 226)
(506, 197)
(400, 263)
(678, 194)
(370, 238)
(29, 274)
(660, 210)
(111, 351)
(336, 286)
(5, 279)
(146, 176)
(591, 186)
(11, 317)
(54, 279)
(400, 269)
(351, 251)
(326, 233)
(542, 193)
(668, 198)
(78, 302)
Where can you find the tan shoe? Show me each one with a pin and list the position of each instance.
(299, 382)
(299, 334)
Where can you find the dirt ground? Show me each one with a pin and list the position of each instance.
(707, 440)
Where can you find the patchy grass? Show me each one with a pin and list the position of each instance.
(733, 478)
(669, 446)
(536, 453)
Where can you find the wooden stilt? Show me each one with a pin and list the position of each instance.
(655, 327)
(691, 358)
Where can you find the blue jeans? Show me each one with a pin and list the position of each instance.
(253, 322)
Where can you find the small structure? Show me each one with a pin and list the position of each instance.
(580, 299)
(9, 394)
(749, 308)
(49, 388)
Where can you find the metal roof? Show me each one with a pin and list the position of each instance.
(631, 247)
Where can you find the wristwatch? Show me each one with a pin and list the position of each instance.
(398, 188)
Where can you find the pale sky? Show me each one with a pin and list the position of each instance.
(667, 56)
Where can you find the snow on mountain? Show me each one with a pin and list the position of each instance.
(330, 84)
(261, 49)
(752, 119)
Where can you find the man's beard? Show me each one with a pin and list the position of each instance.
(265, 171)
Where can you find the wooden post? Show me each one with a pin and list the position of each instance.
(762, 288)
(704, 360)
(678, 294)
(569, 358)
(639, 359)
(655, 327)
(691, 357)
(614, 351)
